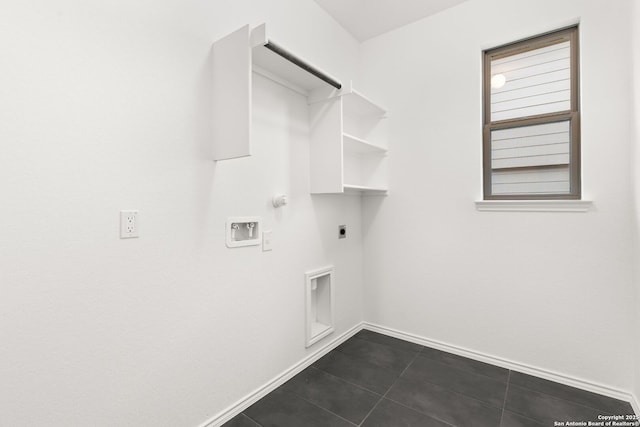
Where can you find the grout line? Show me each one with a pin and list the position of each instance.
(389, 345)
(417, 355)
(345, 381)
(504, 402)
(400, 350)
(391, 386)
(394, 383)
(321, 407)
(480, 374)
(401, 373)
(450, 390)
(339, 379)
(326, 410)
(422, 353)
(371, 411)
(553, 396)
(348, 382)
(448, 355)
(482, 402)
(364, 359)
(432, 416)
(247, 416)
(528, 418)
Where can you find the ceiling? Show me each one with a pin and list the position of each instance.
(369, 18)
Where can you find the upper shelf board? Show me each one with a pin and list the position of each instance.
(355, 145)
(357, 104)
(276, 66)
(362, 190)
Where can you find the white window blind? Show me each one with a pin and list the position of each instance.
(536, 82)
(531, 159)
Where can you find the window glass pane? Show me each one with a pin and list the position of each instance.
(550, 180)
(530, 83)
(531, 159)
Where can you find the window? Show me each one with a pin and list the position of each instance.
(531, 135)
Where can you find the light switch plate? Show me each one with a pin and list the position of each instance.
(266, 241)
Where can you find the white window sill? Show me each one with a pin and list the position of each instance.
(533, 205)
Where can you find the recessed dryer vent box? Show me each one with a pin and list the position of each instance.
(319, 304)
(243, 231)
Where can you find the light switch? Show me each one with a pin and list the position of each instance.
(266, 241)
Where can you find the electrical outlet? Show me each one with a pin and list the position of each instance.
(129, 226)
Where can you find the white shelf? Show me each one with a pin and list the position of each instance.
(353, 144)
(364, 190)
(357, 104)
(348, 134)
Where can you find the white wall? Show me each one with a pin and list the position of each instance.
(551, 290)
(106, 106)
(635, 18)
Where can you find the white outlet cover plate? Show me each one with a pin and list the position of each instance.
(129, 224)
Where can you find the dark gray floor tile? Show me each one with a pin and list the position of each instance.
(391, 358)
(357, 371)
(465, 364)
(509, 419)
(445, 405)
(387, 340)
(545, 408)
(241, 421)
(331, 393)
(390, 414)
(437, 389)
(283, 409)
(479, 387)
(583, 397)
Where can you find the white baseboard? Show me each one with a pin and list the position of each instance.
(635, 404)
(278, 380)
(509, 364)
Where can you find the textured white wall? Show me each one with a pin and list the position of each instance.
(552, 290)
(106, 106)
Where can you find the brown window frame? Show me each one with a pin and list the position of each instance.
(573, 115)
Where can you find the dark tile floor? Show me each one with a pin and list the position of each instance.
(373, 380)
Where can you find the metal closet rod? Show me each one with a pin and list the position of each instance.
(300, 63)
